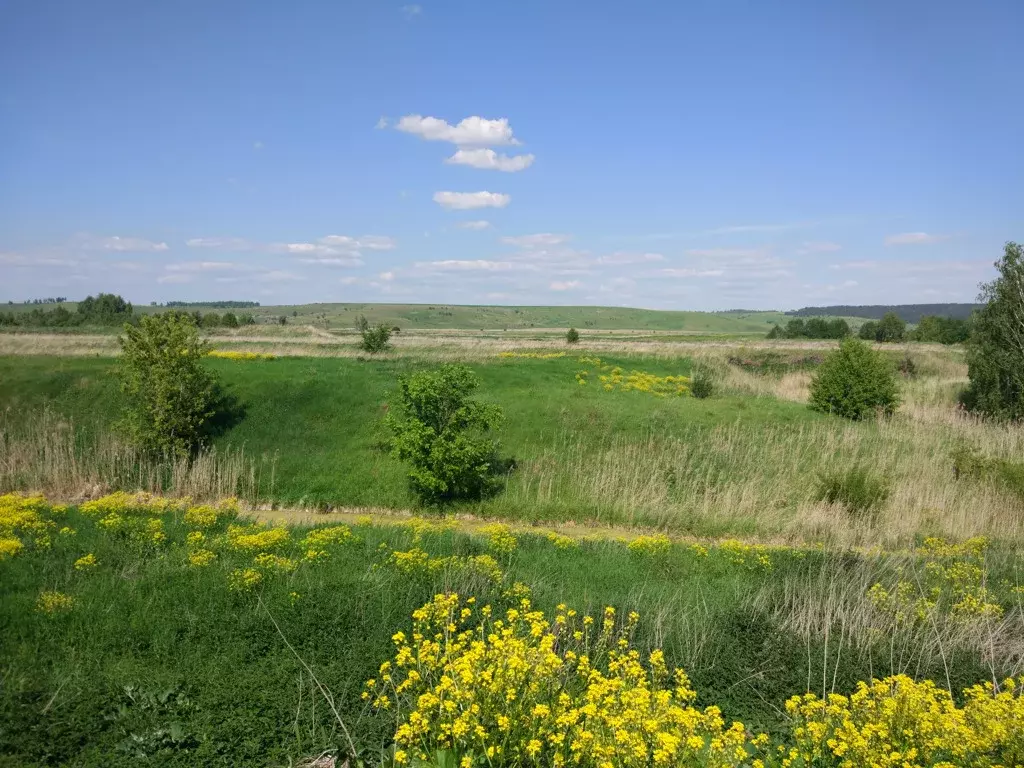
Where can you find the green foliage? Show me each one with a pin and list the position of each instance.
(375, 338)
(890, 329)
(443, 434)
(211, 320)
(171, 396)
(104, 309)
(228, 320)
(855, 381)
(859, 490)
(868, 331)
(702, 382)
(812, 328)
(969, 463)
(572, 336)
(995, 350)
(944, 330)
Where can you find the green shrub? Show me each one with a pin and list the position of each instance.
(376, 339)
(891, 328)
(968, 462)
(572, 336)
(856, 488)
(855, 381)
(171, 396)
(868, 331)
(443, 434)
(702, 383)
(995, 349)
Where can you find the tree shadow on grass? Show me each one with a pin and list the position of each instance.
(228, 412)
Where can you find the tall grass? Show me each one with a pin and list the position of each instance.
(42, 452)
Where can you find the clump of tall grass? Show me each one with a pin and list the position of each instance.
(856, 488)
(43, 452)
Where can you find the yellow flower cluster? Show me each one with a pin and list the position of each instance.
(500, 538)
(206, 515)
(658, 544)
(234, 355)
(614, 378)
(563, 542)
(135, 515)
(951, 581)
(23, 521)
(244, 579)
(754, 556)
(255, 538)
(86, 562)
(54, 602)
(531, 355)
(520, 690)
(901, 723)
(415, 562)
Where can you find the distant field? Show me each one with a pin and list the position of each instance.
(343, 316)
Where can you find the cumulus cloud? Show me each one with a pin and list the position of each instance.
(471, 132)
(539, 240)
(914, 238)
(475, 225)
(567, 285)
(465, 201)
(489, 160)
(366, 242)
(468, 265)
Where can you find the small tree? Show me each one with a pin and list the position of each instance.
(443, 434)
(228, 320)
(995, 349)
(891, 328)
(855, 381)
(171, 396)
(375, 338)
(868, 331)
(572, 336)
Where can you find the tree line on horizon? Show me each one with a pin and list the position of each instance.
(108, 309)
(908, 313)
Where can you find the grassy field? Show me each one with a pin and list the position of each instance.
(707, 517)
(150, 653)
(419, 316)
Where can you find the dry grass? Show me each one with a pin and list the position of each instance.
(45, 454)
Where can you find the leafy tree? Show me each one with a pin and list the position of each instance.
(211, 320)
(106, 308)
(228, 320)
(890, 328)
(282, 320)
(443, 433)
(171, 396)
(776, 332)
(868, 331)
(945, 330)
(855, 381)
(795, 329)
(995, 350)
(375, 338)
(572, 336)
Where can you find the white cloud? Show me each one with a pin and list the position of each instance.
(690, 272)
(220, 243)
(349, 280)
(471, 132)
(538, 240)
(469, 265)
(387, 275)
(489, 160)
(465, 201)
(819, 247)
(21, 260)
(628, 257)
(276, 276)
(203, 266)
(728, 253)
(382, 123)
(411, 11)
(175, 278)
(475, 225)
(368, 242)
(914, 238)
(564, 286)
(334, 261)
(120, 244)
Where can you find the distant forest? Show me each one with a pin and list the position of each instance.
(908, 313)
(214, 304)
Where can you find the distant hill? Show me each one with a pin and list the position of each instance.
(910, 313)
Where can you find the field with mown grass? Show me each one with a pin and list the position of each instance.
(135, 629)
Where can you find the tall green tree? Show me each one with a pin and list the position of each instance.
(891, 328)
(171, 396)
(995, 349)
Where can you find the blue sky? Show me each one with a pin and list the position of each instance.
(704, 155)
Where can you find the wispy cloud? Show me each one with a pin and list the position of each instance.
(818, 247)
(539, 240)
(914, 238)
(620, 258)
(474, 225)
(690, 272)
(465, 201)
(564, 286)
(118, 244)
(411, 12)
(728, 253)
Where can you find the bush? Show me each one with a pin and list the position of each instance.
(995, 349)
(702, 383)
(442, 432)
(171, 396)
(868, 331)
(572, 336)
(856, 488)
(375, 338)
(855, 381)
(891, 328)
